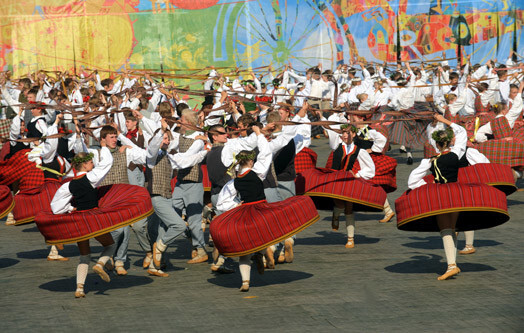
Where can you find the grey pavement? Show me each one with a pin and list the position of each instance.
(387, 283)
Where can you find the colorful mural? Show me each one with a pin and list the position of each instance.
(190, 34)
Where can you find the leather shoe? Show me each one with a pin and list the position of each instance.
(387, 218)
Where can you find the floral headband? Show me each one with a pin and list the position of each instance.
(79, 160)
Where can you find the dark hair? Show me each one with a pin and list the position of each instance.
(443, 137)
(181, 107)
(106, 82)
(106, 130)
(33, 91)
(246, 120)
(212, 131)
(453, 75)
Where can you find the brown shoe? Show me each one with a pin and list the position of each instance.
(119, 268)
(194, 253)
(200, 257)
(452, 271)
(157, 272)
(351, 243)
(334, 222)
(99, 269)
(147, 260)
(288, 247)
(79, 293)
(281, 258)
(259, 261)
(10, 219)
(245, 286)
(469, 249)
(387, 218)
(270, 258)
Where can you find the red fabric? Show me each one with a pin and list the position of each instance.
(497, 175)
(205, 178)
(429, 150)
(325, 183)
(329, 162)
(480, 206)
(479, 107)
(305, 159)
(255, 226)
(500, 128)
(454, 119)
(31, 201)
(503, 152)
(6, 201)
(18, 167)
(119, 205)
(6, 148)
(132, 134)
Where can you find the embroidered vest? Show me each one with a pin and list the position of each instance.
(192, 174)
(500, 128)
(140, 142)
(159, 178)
(340, 159)
(118, 172)
(250, 187)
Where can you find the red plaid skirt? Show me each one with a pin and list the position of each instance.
(503, 152)
(18, 167)
(31, 201)
(255, 226)
(385, 170)
(480, 206)
(305, 159)
(6, 201)
(119, 205)
(497, 175)
(323, 185)
(429, 150)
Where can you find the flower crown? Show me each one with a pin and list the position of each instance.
(443, 136)
(79, 160)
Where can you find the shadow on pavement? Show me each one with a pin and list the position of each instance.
(8, 262)
(68, 252)
(94, 284)
(335, 238)
(435, 243)
(431, 263)
(270, 277)
(29, 227)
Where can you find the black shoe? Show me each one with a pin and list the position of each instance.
(410, 160)
(402, 150)
(211, 244)
(334, 222)
(225, 270)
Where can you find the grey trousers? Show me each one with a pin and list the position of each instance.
(137, 177)
(171, 224)
(272, 194)
(286, 189)
(191, 197)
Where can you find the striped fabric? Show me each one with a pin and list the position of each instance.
(454, 119)
(205, 178)
(5, 125)
(385, 170)
(503, 152)
(305, 159)
(34, 200)
(18, 167)
(323, 185)
(480, 206)
(408, 133)
(479, 107)
(119, 205)
(6, 201)
(497, 175)
(255, 226)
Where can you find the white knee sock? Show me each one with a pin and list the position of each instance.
(350, 225)
(82, 269)
(244, 264)
(470, 237)
(106, 253)
(161, 246)
(387, 208)
(337, 211)
(449, 245)
(53, 252)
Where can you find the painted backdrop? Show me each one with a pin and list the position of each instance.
(192, 34)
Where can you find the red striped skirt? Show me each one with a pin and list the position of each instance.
(255, 226)
(480, 206)
(503, 152)
(429, 150)
(305, 159)
(323, 185)
(205, 178)
(18, 167)
(497, 175)
(119, 205)
(6, 201)
(31, 201)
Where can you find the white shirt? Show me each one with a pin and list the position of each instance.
(367, 166)
(179, 160)
(61, 202)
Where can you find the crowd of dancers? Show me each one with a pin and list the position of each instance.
(89, 158)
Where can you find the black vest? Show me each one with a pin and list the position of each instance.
(249, 187)
(54, 165)
(446, 169)
(361, 141)
(63, 149)
(33, 132)
(216, 170)
(285, 163)
(339, 160)
(84, 195)
(15, 149)
(463, 162)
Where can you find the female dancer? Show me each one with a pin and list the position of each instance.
(82, 189)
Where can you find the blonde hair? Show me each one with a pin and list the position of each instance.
(190, 116)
